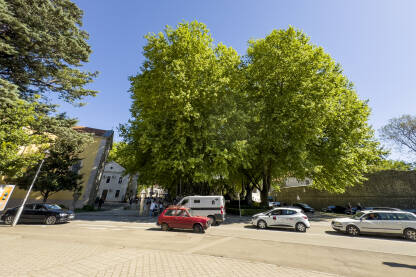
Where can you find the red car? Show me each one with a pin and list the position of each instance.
(181, 218)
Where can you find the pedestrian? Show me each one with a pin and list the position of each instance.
(131, 201)
(152, 208)
(97, 199)
(100, 203)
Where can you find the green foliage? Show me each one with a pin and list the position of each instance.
(201, 116)
(18, 120)
(245, 211)
(60, 170)
(402, 132)
(41, 46)
(307, 120)
(391, 165)
(183, 108)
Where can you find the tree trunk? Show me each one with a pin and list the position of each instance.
(264, 193)
(45, 196)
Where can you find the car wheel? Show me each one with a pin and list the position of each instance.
(164, 227)
(262, 224)
(9, 220)
(300, 227)
(50, 220)
(410, 234)
(198, 228)
(212, 219)
(353, 230)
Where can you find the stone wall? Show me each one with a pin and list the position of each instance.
(386, 189)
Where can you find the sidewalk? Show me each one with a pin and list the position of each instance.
(31, 257)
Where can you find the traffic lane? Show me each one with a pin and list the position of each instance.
(278, 247)
(342, 261)
(322, 235)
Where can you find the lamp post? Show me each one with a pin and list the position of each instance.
(19, 212)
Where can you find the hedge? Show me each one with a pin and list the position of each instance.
(245, 212)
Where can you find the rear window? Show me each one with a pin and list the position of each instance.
(405, 217)
(288, 212)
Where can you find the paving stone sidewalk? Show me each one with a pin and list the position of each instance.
(31, 257)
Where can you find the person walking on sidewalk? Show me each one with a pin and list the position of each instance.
(100, 203)
(152, 208)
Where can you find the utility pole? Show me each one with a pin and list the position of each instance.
(19, 212)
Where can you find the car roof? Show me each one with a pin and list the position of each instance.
(384, 211)
(288, 208)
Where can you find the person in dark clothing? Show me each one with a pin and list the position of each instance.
(100, 203)
(97, 199)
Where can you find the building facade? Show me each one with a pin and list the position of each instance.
(91, 168)
(115, 185)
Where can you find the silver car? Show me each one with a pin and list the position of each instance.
(379, 221)
(282, 217)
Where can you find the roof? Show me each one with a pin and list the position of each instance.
(97, 132)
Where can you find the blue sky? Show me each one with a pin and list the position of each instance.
(374, 41)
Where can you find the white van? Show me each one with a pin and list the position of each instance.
(209, 206)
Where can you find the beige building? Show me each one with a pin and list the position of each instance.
(91, 168)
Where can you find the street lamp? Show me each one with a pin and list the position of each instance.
(19, 212)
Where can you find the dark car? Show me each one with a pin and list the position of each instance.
(39, 213)
(335, 209)
(305, 207)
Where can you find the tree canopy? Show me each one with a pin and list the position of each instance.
(401, 131)
(42, 46)
(203, 115)
(60, 170)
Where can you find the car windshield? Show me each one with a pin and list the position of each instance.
(52, 207)
(304, 205)
(358, 215)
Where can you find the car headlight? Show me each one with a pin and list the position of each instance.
(62, 214)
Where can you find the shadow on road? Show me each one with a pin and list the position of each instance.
(369, 236)
(400, 265)
(277, 229)
(190, 231)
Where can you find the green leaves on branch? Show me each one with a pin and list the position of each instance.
(41, 46)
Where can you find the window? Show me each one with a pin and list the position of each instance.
(184, 202)
(170, 212)
(108, 180)
(117, 193)
(372, 216)
(29, 207)
(276, 212)
(120, 180)
(288, 212)
(197, 201)
(405, 217)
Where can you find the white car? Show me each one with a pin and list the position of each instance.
(379, 221)
(282, 217)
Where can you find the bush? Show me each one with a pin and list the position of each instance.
(245, 211)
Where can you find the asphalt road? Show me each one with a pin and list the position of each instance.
(319, 249)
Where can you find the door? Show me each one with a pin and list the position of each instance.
(104, 194)
(40, 212)
(183, 220)
(370, 223)
(289, 218)
(274, 218)
(27, 214)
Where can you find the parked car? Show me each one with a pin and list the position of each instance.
(275, 204)
(39, 213)
(212, 207)
(304, 207)
(181, 217)
(379, 221)
(380, 208)
(282, 217)
(335, 209)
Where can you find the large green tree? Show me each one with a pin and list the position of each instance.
(306, 118)
(183, 108)
(18, 122)
(42, 46)
(60, 170)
